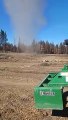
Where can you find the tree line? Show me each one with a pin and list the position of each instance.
(4, 44)
(51, 48)
(43, 47)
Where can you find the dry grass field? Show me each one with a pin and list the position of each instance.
(19, 73)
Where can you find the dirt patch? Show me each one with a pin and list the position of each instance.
(5, 57)
(19, 74)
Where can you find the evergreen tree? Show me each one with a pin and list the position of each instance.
(3, 38)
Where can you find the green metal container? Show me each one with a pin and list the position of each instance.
(49, 94)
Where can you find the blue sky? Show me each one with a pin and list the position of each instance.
(57, 21)
(56, 14)
(5, 22)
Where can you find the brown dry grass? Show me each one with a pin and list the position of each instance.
(19, 73)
